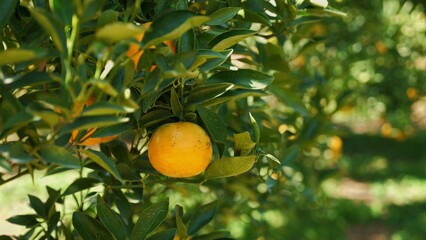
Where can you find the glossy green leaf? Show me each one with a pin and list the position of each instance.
(234, 94)
(50, 27)
(182, 231)
(177, 108)
(63, 10)
(37, 205)
(256, 129)
(6, 10)
(111, 219)
(105, 108)
(187, 42)
(149, 220)
(212, 58)
(172, 26)
(60, 156)
(168, 234)
(102, 160)
(207, 92)
(88, 122)
(243, 78)
(154, 117)
(27, 220)
(118, 31)
(229, 166)
(80, 184)
(15, 152)
(201, 217)
(222, 15)
(90, 228)
(90, 8)
(215, 127)
(257, 17)
(18, 55)
(243, 144)
(230, 38)
(17, 121)
(111, 130)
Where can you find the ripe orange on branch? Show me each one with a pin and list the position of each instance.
(181, 149)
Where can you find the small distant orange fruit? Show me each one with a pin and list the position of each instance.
(181, 149)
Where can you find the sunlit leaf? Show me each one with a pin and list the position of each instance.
(60, 156)
(230, 38)
(243, 78)
(207, 92)
(104, 108)
(229, 166)
(18, 55)
(171, 26)
(118, 31)
(243, 143)
(102, 160)
(222, 15)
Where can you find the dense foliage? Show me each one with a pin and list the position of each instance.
(267, 80)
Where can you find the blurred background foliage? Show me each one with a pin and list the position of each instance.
(346, 119)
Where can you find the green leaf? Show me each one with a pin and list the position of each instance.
(150, 219)
(156, 116)
(243, 144)
(111, 130)
(105, 108)
(201, 217)
(215, 127)
(204, 93)
(90, 8)
(229, 166)
(15, 152)
(222, 15)
(27, 220)
(102, 160)
(18, 55)
(235, 94)
(290, 99)
(181, 228)
(60, 156)
(243, 78)
(177, 108)
(118, 31)
(168, 234)
(171, 26)
(213, 58)
(90, 228)
(6, 10)
(111, 220)
(80, 184)
(230, 38)
(256, 128)
(88, 122)
(63, 10)
(37, 205)
(16, 122)
(48, 24)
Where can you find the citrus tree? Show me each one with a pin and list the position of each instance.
(153, 104)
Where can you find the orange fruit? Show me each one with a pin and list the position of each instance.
(86, 140)
(134, 51)
(181, 149)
